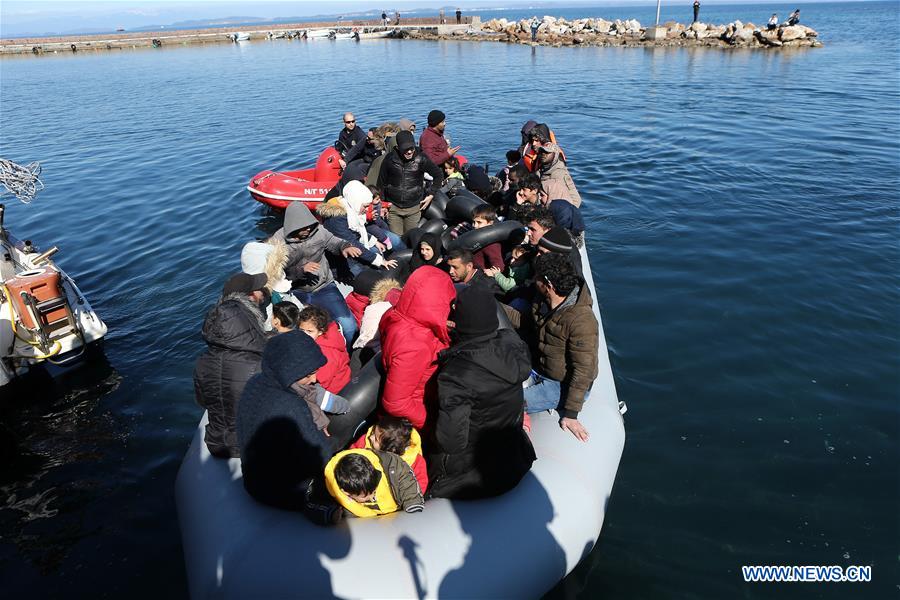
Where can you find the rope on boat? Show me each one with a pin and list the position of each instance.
(22, 182)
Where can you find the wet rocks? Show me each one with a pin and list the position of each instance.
(596, 31)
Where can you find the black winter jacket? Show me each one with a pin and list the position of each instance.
(234, 332)
(349, 139)
(402, 182)
(281, 447)
(481, 449)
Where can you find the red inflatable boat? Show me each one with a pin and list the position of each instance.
(279, 189)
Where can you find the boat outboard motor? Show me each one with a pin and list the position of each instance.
(476, 239)
(438, 207)
(362, 393)
(461, 206)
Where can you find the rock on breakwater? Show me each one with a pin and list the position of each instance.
(554, 31)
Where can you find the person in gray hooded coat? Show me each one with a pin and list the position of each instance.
(307, 266)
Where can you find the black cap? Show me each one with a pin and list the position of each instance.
(243, 283)
(435, 117)
(405, 141)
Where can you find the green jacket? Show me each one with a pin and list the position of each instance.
(564, 343)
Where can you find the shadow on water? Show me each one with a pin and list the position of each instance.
(49, 425)
(527, 543)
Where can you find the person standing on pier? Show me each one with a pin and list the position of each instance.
(397, 17)
(696, 10)
(535, 25)
(458, 16)
(441, 18)
(384, 19)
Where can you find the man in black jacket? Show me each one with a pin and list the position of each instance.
(235, 335)
(402, 183)
(350, 136)
(481, 449)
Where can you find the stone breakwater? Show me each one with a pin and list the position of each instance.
(600, 32)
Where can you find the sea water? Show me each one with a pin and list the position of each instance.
(742, 210)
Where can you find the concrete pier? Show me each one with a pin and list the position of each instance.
(157, 39)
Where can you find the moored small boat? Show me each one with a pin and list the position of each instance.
(44, 317)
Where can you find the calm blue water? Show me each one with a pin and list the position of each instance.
(743, 211)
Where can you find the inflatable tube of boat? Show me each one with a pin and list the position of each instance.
(438, 207)
(362, 393)
(518, 545)
(399, 255)
(435, 226)
(460, 207)
(411, 238)
(476, 239)
(447, 239)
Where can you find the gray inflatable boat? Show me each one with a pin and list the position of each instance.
(516, 546)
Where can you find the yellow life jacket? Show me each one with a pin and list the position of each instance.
(384, 500)
(413, 451)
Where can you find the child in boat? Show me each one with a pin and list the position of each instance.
(453, 177)
(369, 483)
(285, 316)
(384, 295)
(397, 435)
(518, 271)
(491, 255)
(316, 322)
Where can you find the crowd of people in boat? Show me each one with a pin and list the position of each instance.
(464, 318)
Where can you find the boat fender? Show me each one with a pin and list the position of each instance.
(435, 226)
(461, 206)
(476, 239)
(362, 393)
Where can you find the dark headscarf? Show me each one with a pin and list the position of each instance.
(433, 240)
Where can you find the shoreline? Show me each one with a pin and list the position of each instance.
(552, 32)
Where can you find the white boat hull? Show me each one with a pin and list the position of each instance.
(516, 546)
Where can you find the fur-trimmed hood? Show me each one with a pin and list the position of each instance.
(330, 209)
(381, 289)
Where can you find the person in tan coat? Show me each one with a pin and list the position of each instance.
(555, 178)
(565, 337)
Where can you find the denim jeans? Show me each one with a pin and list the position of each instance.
(545, 394)
(329, 297)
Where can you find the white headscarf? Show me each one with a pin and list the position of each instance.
(356, 196)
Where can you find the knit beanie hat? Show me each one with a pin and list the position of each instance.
(435, 117)
(405, 124)
(405, 141)
(477, 180)
(365, 281)
(556, 240)
(476, 312)
(291, 356)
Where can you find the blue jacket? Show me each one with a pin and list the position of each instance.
(567, 215)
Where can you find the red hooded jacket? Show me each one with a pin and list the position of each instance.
(357, 304)
(335, 373)
(412, 334)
